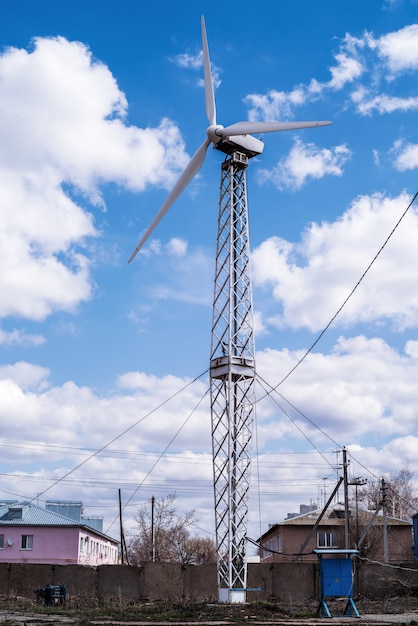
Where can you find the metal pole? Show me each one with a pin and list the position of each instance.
(357, 482)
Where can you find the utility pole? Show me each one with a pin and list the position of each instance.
(121, 530)
(357, 482)
(385, 523)
(123, 548)
(346, 509)
(152, 530)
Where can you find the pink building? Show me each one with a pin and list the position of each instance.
(31, 534)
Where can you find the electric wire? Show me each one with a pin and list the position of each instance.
(144, 417)
(319, 337)
(161, 455)
(333, 318)
(308, 351)
(294, 422)
(400, 567)
(268, 393)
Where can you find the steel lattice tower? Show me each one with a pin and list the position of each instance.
(232, 374)
(232, 365)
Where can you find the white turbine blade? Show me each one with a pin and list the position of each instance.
(209, 92)
(250, 128)
(188, 174)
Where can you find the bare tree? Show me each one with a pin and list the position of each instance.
(399, 491)
(164, 535)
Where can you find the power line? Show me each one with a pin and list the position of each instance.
(273, 389)
(101, 449)
(322, 333)
(120, 435)
(163, 452)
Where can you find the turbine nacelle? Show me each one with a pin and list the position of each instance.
(230, 143)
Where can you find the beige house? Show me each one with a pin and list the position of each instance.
(303, 533)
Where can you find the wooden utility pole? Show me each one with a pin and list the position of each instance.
(385, 523)
(346, 509)
(123, 548)
(152, 530)
(121, 530)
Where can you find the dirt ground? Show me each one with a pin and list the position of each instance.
(23, 612)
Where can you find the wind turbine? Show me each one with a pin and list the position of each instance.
(232, 358)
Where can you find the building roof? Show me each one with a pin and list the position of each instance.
(333, 516)
(29, 514)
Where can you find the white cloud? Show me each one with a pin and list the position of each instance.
(382, 103)
(177, 246)
(411, 349)
(306, 161)
(260, 329)
(281, 105)
(18, 337)
(62, 130)
(386, 460)
(275, 105)
(312, 279)
(149, 406)
(188, 61)
(360, 377)
(195, 62)
(406, 156)
(400, 49)
(362, 391)
(25, 375)
(149, 383)
(345, 71)
(359, 61)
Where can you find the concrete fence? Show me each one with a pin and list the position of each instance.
(292, 583)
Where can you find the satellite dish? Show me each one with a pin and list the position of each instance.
(10, 542)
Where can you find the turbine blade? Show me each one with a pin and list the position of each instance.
(188, 174)
(249, 128)
(209, 92)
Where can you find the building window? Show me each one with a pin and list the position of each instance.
(1, 542)
(27, 542)
(327, 540)
(13, 513)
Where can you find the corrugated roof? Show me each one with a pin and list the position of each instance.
(28, 514)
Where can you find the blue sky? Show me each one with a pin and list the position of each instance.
(101, 108)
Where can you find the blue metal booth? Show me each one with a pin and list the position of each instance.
(336, 577)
